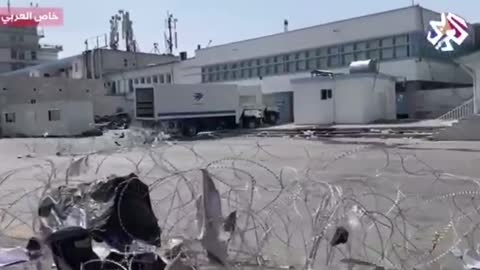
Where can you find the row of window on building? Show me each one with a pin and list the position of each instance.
(23, 54)
(17, 38)
(53, 115)
(393, 47)
(125, 86)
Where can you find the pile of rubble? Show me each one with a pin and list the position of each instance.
(113, 122)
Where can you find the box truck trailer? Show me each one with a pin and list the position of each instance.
(192, 108)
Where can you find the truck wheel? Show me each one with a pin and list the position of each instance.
(190, 131)
(252, 123)
(272, 118)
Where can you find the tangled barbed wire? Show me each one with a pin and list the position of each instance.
(371, 206)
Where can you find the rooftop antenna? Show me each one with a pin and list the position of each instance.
(114, 32)
(127, 30)
(155, 48)
(175, 31)
(171, 37)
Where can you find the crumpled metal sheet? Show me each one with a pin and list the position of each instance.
(117, 211)
(101, 221)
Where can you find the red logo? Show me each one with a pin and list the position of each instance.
(31, 16)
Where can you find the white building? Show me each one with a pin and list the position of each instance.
(397, 39)
(57, 106)
(467, 114)
(344, 99)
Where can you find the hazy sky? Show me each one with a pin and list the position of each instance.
(221, 21)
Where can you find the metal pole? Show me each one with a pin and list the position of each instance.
(100, 64)
(170, 42)
(92, 64)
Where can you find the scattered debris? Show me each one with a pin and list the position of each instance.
(94, 132)
(112, 122)
(230, 222)
(340, 237)
(470, 258)
(78, 166)
(26, 156)
(308, 133)
(90, 225)
(263, 134)
(116, 213)
(212, 221)
(13, 256)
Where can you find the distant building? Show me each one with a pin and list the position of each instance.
(396, 38)
(424, 77)
(73, 90)
(57, 106)
(173, 72)
(360, 98)
(20, 47)
(93, 64)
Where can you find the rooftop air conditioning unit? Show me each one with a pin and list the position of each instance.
(364, 66)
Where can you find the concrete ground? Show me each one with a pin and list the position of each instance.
(412, 125)
(406, 203)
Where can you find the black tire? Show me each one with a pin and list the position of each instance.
(221, 126)
(272, 118)
(250, 123)
(190, 130)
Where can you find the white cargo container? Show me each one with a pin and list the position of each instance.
(191, 108)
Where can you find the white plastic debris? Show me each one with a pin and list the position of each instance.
(456, 252)
(471, 259)
(11, 256)
(163, 136)
(77, 217)
(308, 133)
(353, 216)
(101, 249)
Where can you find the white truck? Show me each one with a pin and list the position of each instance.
(192, 108)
